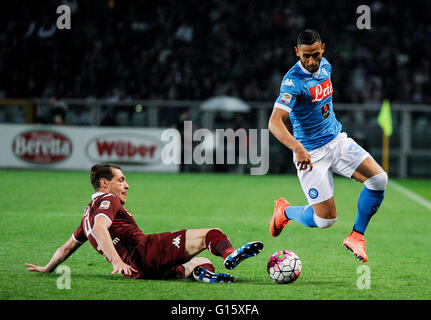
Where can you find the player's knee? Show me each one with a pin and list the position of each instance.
(377, 182)
(324, 223)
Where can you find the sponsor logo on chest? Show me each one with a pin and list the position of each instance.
(321, 91)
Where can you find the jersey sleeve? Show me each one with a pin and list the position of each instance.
(108, 207)
(78, 235)
(289, 91)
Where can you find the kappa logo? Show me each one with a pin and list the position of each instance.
(288, 82)
(176, 241)
(375, 208)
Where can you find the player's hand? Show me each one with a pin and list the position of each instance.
(34, 268)
(303, 158)
(122, 268)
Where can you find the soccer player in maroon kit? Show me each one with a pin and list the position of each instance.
(113, 232)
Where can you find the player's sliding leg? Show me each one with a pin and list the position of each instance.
(369, 202)
(246, 251)
(308, 216)
(219, 245)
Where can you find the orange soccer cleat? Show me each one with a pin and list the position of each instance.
(355, 242)
(279, 219)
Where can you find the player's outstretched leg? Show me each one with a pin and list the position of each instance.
(219, 245)
(246, 251)
(279, 219)
(204, 275)
(369, 202)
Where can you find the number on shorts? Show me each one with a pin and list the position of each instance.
(357, 150)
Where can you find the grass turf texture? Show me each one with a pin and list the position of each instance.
(41, 209)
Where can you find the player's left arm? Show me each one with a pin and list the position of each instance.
(60, 255)
(104, 240)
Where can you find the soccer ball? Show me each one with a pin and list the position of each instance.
(284, 266)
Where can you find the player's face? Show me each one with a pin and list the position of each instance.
(117, 185)
(310, 55)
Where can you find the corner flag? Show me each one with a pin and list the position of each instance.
(384, 118)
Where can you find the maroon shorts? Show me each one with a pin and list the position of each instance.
(159, 255)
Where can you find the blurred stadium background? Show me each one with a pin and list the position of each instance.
(151, 64)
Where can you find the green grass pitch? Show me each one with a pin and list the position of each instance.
(39, 210)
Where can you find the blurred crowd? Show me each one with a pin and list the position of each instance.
(192, 50)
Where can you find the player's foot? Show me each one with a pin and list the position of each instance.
(204, 275)
(246, 251)
(355, 242)
(279, 219)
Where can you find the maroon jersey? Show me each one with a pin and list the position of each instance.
(124, 231)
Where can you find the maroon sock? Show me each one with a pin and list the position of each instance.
(218, 243)
(180, 272)
(208, 266)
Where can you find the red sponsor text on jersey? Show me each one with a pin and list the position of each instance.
(321, 91)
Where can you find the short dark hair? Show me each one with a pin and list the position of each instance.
(308, 37)
(99, 171)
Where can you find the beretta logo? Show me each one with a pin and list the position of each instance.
(126, 148)
(42, 146)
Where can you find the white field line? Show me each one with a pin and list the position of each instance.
(411, 195)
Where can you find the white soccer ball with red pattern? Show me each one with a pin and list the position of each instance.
(284, 266)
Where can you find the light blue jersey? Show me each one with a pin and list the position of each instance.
(308, 99)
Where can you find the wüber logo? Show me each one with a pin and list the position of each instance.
(124, 148)
(321, 91)
(42, 146)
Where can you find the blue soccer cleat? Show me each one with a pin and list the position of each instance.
(246, 251)
(201, 274)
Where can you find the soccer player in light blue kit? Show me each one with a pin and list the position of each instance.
(320, 148)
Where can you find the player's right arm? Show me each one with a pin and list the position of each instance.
(278, 128)
(290, 90)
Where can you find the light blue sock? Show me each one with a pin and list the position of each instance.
(303, 214)
(368, 203)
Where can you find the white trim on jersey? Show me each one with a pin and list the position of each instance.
(315, 74)
(98, 193)
(102, 214)
(95, 195)
(74, 239)
(282, 106)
